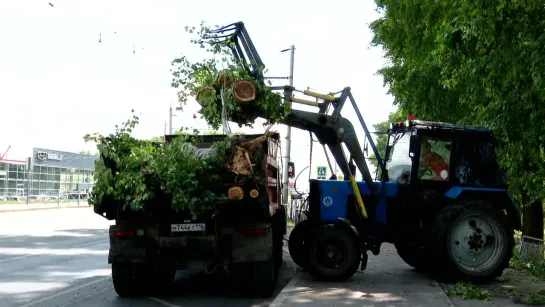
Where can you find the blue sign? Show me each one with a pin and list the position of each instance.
(321, 172)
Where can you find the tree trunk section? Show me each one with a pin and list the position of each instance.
(244, 91)
(532, 220)
(205, 94)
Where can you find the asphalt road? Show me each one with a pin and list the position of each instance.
(59, 258)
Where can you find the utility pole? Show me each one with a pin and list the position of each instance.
(170, 120)
(288, 136)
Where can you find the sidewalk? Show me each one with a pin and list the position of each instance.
(387, 281)
(41, 206)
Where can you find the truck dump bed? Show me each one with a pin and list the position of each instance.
(266, 173)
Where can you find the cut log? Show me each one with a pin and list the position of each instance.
(244, 91)
(224, 79)
(204, 94)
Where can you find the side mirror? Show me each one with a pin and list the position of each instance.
(414, 146)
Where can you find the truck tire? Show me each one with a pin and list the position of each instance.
(255, 279)
(296, 244)
(472, 243)
(279, 225)
(130, 279)
(328, 243)
(414, 255)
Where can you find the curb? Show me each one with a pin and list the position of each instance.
(43, 208)
(285, 293)
(447, 298)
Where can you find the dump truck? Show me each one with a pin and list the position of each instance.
(240, 238)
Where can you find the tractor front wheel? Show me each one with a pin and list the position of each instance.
(475, 243)
(334, 254)
(298, 244)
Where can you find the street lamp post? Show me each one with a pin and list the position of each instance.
(288, 136)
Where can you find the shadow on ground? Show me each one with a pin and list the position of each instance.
(70, 268)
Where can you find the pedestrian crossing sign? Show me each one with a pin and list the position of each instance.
(321, 172)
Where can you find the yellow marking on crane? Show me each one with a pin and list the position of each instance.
(357, 194)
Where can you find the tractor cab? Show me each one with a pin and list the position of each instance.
(435, 154)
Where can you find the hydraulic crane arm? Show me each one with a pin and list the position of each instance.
(332, 130)
(241, 45)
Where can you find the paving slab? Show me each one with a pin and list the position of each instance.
(387, 281)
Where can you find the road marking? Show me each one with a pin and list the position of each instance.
(18, 257)
(36, 254)
(91, 243)
(163, 302)
(57, 294)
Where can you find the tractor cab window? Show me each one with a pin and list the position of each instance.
(434, 159)
(399, 162)
(476, 163)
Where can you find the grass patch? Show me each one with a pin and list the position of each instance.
(534, 268)
(468, 291)
(534, 298)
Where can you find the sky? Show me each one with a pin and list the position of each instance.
(58, 82)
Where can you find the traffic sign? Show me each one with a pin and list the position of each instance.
(291, 169)
(321, 172)
(291, 186)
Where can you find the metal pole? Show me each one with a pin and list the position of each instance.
(170, 121)
(288, 136)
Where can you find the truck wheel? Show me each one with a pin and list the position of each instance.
(296, 244)
(130, 279)
(473, 244)
(255, 279)
(334, 254)
(413, 255)
(279, 225)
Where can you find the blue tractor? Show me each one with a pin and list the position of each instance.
(441, 199)
(440, 196)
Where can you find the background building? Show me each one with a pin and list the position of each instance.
(51, 173)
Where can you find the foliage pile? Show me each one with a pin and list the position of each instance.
(477, 63)
(211, 79)
(137, 174)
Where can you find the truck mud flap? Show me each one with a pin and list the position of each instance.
(131, 255)
(252, 246)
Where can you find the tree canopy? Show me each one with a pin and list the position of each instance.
(473, 62)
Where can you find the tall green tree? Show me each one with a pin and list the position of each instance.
(475, 62)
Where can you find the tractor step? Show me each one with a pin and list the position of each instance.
(364, 259)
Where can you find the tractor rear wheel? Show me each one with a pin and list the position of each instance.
(472, 243)
(334, 254)
(298, 244)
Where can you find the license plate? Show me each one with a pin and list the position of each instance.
(187, 227)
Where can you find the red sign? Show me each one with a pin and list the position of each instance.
(291, 169)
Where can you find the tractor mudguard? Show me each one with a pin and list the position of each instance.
(346, 224)
(500, 197)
